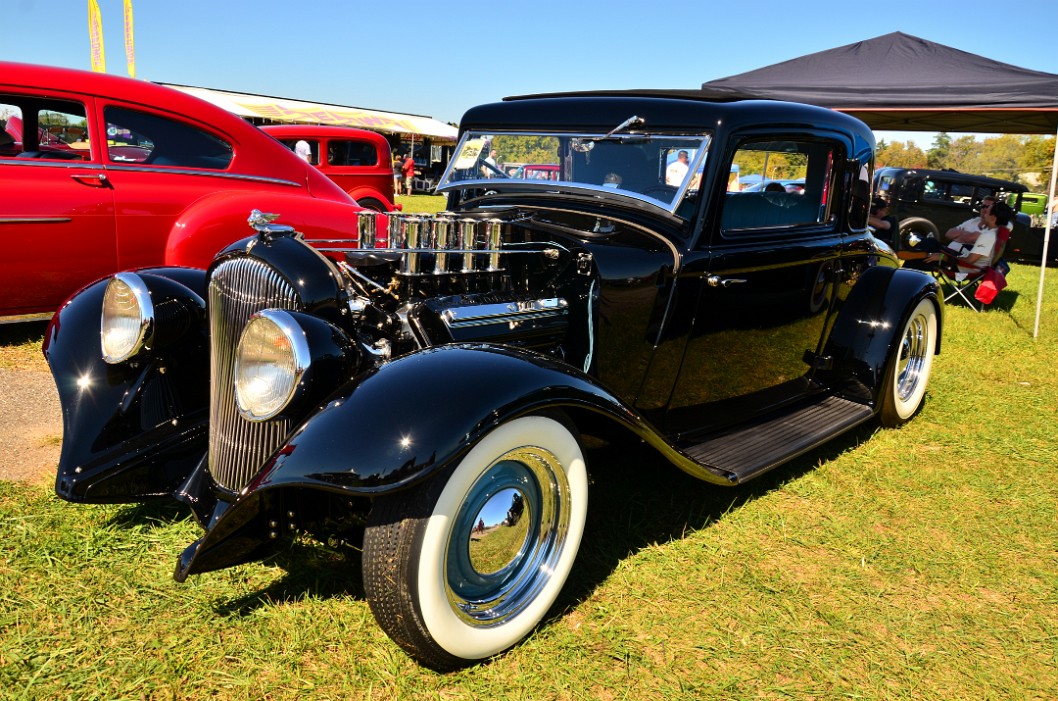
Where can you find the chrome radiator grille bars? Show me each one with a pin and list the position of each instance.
(237, 447)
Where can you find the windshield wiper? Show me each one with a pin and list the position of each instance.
(632, 121)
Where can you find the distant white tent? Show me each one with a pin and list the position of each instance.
(279, 109)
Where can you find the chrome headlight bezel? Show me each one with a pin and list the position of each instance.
(280, 367)
(127, 320)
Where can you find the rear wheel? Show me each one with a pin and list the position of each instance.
(465, 565)
(915, 230)
(909, 366)
(372, 204)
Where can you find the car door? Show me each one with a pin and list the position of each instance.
(57, 210)
(767, 271)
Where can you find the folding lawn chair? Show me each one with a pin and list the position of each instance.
(977, 288)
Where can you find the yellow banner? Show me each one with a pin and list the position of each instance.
(130, 48)
(95, 36)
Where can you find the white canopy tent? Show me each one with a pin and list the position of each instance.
(279, 109)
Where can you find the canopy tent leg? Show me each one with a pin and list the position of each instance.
(1046, 237)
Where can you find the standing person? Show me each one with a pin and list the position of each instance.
(303, 150)
(490, 166)
(676, 172)
(408, 171)
(397, 166)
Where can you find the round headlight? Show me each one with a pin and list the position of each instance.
(272, 356)
(127, 321)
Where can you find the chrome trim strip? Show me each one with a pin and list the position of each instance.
(207, 173)
(52, 163)
(35, 220)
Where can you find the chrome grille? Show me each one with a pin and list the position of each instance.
(238, 448)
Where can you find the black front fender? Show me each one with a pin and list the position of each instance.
(133, 430)
(394, 427)
(403, 421)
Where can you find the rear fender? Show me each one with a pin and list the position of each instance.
(868, 327)
(134, 430)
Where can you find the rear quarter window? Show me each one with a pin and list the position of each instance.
(152, 139)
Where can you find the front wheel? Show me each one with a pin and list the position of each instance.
(465, 565)
(909, 366)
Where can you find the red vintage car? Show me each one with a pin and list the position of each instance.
(357, 160)
(102, 173)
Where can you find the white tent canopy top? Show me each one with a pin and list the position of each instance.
(279, 109)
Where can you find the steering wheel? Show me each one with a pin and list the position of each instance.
(494, 169)
(661, 192)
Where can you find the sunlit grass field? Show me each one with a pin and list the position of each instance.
(919, 563)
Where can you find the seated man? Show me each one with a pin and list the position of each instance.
(973, 242)
(968, 231)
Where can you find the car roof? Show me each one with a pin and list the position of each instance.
(129, 90)
(666, 110)
(320, 131)
(954, 176)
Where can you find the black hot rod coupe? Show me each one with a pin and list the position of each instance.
(423, 385)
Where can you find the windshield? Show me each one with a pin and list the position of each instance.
(660, 169)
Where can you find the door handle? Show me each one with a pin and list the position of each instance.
(717, 281)
(94, 179)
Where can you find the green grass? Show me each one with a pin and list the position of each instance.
(421, 204)
(919, 563)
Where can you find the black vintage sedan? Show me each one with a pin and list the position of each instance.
(424, 388)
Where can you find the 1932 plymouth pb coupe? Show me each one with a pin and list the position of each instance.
(423, 384)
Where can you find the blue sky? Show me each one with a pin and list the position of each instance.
(441, 58)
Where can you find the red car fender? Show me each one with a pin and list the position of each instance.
(370, 193)
(217, 220)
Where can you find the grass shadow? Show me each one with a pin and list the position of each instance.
(22, 332)
(312, 571)
(639, 500)
(156, 513)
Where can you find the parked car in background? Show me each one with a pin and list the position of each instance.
(1032, 203)
(357, 160)
(421, 391)
(102, 173)
(927, 203)
(536, 171)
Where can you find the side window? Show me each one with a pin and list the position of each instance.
(984, 191)
(43, 129)
(306, 149)
(963, 194)
(860, 195)
(351, 153)
(140, 137)
(783, 184)
(932, 190)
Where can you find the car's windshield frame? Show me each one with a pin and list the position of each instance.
(472, 168)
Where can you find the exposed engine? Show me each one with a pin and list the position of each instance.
(415, 281)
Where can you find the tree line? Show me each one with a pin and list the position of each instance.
(1010, 156)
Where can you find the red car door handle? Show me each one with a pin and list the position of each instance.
(94, 179)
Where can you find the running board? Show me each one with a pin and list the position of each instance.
(747, 452)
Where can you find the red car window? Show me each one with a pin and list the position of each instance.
(153, 139)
